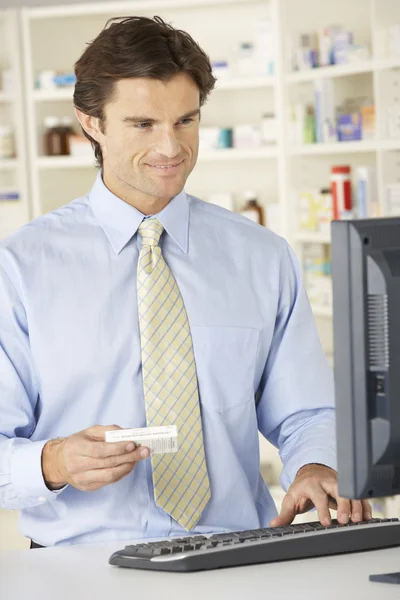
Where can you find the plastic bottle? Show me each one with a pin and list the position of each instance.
(52, 136)
(66, 131)
(252, 210)
(341, 191)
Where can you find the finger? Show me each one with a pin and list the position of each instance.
(110, 462)
(94, 449)
(367, 510)
(320, 500)
(92, 480)
(356, 511)
(287, 514)
(343, 504)
(343, 510)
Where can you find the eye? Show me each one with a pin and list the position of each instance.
(186, 121)
(143, 125)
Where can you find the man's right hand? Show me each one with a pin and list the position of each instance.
(85, 461)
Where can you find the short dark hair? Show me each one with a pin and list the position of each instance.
(135, 47)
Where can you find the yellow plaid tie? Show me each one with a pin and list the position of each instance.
(180, 480)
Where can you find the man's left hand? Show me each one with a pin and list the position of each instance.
(316, 485)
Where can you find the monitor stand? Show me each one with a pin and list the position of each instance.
(386, 578)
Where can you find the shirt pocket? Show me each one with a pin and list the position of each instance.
(225, 364)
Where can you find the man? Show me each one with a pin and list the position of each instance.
(138, 305)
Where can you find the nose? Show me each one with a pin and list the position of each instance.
(168, 144)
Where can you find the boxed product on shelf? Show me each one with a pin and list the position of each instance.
(8, 194)
(368, 122)
(48, 79)
(317, 270)
(302, 124)
(315, 210)
(221, 69)
(366, 192)
(247, 136)
(325, 118)
(349, 127)
(214, 138)
(307, 210)
(392, 200)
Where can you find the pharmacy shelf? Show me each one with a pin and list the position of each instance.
(331, 71)
(334, 71)
(65, 94)
(245, 83)
(388, 145)
(124, 7)
(321, 310)
(238, 154)
(339, 148)
(61, 94)
(65, 162)
(71, 162)
(382, 64)
(313, 237)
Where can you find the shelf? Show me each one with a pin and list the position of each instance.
(313, 237)
(138, 6)
(72, 162)
(321, 310)
(65, 94)
(389, 145)
(338, 148)
(331, 71)
(238, 154)
(245, 84)
(381, 64)
(53, 95)
(6, 164)
(65, 162)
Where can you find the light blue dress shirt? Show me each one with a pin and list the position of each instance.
(70, 358)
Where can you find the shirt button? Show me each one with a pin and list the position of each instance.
(42, 499)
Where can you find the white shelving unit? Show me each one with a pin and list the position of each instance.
(53, 38)
(309, 165)
(13, 171)
(47, 35)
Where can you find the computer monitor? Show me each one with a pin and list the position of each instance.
(366, 326)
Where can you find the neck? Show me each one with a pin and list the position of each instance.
(144, 203)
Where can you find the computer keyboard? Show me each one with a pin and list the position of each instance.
(236, 548)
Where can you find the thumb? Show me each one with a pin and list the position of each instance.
(288, 513)
(97, 432)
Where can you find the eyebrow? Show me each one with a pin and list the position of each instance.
(192, 113)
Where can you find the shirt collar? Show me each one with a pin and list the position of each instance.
(120, 221)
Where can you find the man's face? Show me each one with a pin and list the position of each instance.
(150, 139)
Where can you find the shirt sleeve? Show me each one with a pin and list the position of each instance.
(296, 394)
(21, 478)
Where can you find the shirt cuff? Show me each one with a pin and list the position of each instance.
(321, 456)
(26, 471)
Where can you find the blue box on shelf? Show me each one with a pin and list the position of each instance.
(349, 127)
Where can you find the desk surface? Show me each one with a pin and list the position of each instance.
(82, 572)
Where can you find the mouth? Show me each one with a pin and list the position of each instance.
(166, 168)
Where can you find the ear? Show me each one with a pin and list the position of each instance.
(90, 124)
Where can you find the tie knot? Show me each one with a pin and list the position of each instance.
(150, 231)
